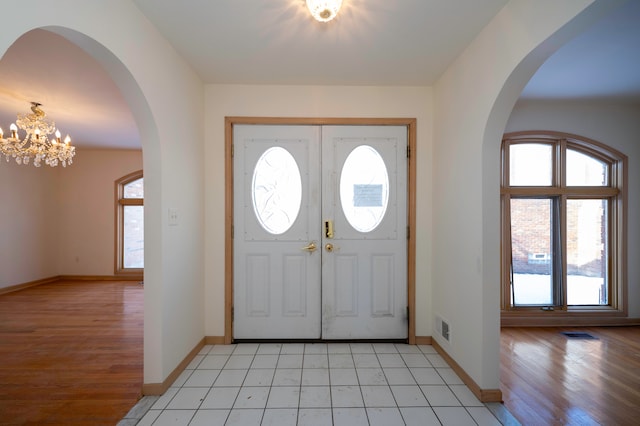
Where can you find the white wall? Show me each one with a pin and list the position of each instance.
(28, 218)
(473, 99)
(167, 101)
(312, 101)
(61, 221)
(615, 124)
(86, 219)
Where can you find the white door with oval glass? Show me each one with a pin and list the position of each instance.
(320, 232)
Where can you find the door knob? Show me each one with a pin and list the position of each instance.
(310, 248)
(329, 247)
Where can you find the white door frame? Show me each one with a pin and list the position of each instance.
(229, 198)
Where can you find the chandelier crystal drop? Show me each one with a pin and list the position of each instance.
(36, 146)
(324, 10)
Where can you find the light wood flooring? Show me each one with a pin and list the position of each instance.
(549, 379)
(71, 353)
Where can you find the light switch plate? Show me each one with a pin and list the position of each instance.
(173, 217)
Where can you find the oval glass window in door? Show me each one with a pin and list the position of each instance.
(276, 190)
(364, 188)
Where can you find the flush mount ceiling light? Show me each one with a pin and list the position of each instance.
(324, 10)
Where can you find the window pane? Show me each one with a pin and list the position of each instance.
(583, 170)
(531, 252)
(587, 252)
(134, 189)
(133, 230)
(530, 164)
(277, 190)
(364, 188)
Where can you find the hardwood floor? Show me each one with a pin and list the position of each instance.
(71, 353)
(549, 379)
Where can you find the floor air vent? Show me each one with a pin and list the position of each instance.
(578, 335)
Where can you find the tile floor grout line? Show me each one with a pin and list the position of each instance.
(364, 405)
(270, 383)
(333, 421)
(394, 397)
(304, 349)
(235, 400)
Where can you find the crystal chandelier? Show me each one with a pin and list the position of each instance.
(36, 145)
(324, 10)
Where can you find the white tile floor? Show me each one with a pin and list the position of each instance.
(318, 384)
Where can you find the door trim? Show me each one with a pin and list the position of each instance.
(229, 122)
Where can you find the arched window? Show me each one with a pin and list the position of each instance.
(563, 238)
(130, 224)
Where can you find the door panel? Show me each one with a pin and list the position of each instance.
(345, 297)
(366, 272)
(382, 290)
(291, 280)
(276, 281)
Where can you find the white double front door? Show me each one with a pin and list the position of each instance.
(320, 232)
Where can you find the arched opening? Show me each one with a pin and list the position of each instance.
(558, 118)
(65, 229)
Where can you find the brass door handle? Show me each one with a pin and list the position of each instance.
(310, 248)
(329, 247)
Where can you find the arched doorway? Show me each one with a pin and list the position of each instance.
(68, 236)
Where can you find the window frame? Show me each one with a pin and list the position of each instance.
(120, 203)
(615, 191)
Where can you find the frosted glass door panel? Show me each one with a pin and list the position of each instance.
(276, 190)
(364, 188)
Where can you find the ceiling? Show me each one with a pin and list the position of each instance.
(371, 42)
(601, 63)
